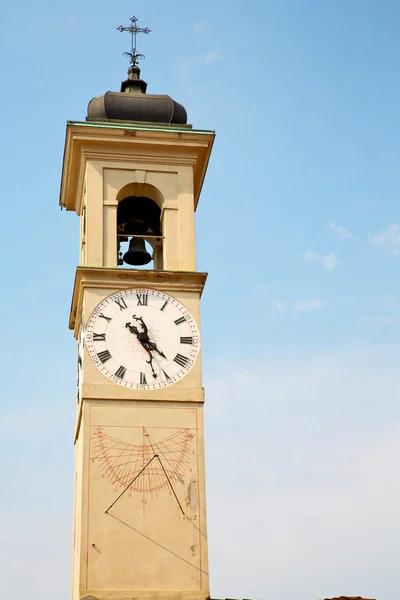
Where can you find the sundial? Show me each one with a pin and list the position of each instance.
(148, 465)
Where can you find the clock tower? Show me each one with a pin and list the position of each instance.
(133, 173)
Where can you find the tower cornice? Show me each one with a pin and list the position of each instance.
(120, 279)
(130, 143)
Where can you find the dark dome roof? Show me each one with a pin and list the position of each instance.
(133, 104)
(122, 106)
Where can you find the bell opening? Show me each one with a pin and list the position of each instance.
(139, 239)
(134, 252)
(138, 215)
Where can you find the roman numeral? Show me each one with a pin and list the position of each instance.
(99, 337)
(120, 372)
(180, 320)
(181, 360)
(186, 340)
(121, 303)
(167, 377)
(142, 299)
(164, 305)
(104, 356)
(104, 317)
(143, 379)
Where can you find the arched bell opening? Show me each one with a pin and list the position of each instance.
(139, 236)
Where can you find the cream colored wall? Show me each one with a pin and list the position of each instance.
(78, 503)
(162, 555)
(104, 182)
(144, 547)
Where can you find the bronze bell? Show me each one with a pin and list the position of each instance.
(138, 215)
(137, 254)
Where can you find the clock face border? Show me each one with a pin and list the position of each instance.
(171, 316)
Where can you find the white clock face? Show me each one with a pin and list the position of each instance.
(142, 339)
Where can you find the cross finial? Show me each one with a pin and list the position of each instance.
(133, 29)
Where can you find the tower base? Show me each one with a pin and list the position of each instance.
(142, 595)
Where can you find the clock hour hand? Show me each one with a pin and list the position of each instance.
(144, 338)
(144, 331)
(132, 328)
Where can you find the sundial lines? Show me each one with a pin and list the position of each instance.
(114, 450)
(175, 461)
(123, 462)
(167, 449)
(120, 461)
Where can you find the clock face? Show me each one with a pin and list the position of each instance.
(142, 339)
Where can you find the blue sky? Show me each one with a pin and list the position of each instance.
(299, 229)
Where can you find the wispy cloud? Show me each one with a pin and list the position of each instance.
(73, 23)
(380, 321)
(43, 24)
(186, 68)
(262, 290)
(279, 304)
(198, 29)
(211, 57)
(388, 300)
(307, 305)
(329, 262)
(389, 239)
(341, 232)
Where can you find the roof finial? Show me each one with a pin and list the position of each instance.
(133, 29)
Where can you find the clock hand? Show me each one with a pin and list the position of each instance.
(150, 362)
(160, 352)
(144, 339)
(143, 324)
(132, 329)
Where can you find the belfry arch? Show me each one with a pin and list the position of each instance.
(141, 189)
(139, 221)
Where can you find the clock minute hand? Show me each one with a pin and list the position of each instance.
(144, 340)
(160, 352)
(150, 362)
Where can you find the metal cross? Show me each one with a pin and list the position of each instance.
(133, 29)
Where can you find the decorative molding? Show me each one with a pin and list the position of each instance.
(120, 279)
(145, 147)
